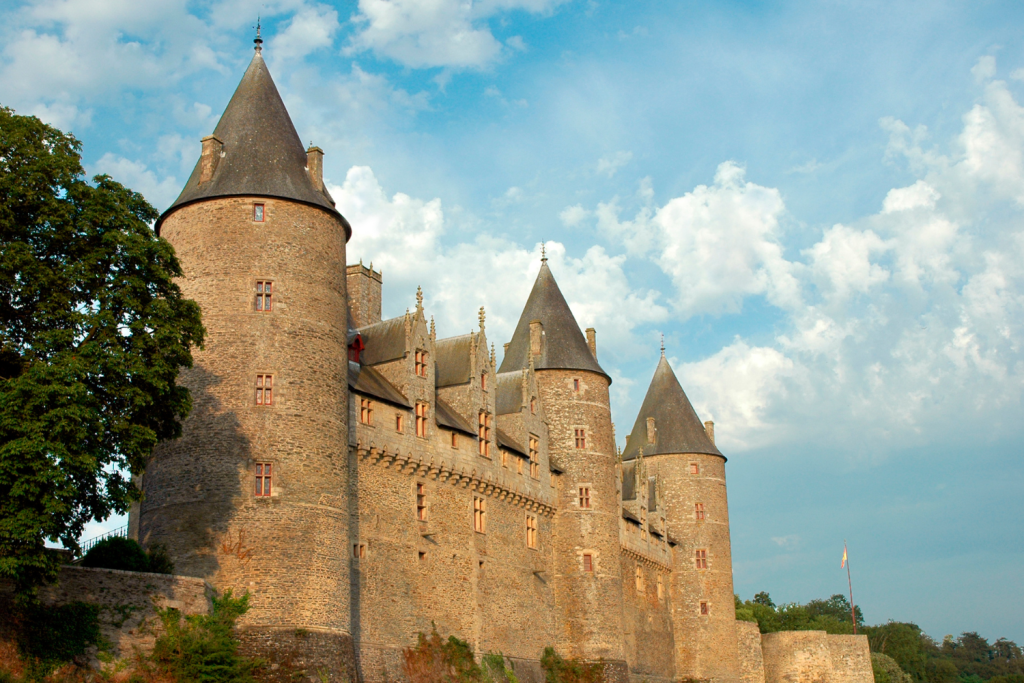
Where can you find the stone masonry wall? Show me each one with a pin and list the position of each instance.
(364, 295)
(647, 619)
(128, 601)
(748, 648)
(289, 550)
(796, 657)
(851, 659)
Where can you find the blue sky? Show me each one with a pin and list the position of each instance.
(818, 204)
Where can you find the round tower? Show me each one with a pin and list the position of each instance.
(254, 496)
(692, 470)
(574, 392)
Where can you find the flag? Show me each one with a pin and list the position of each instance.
(843, 565)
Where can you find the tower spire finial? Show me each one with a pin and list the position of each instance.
(543, 253)
(663, 345)
(258, 40)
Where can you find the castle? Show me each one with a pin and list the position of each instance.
(364, 479)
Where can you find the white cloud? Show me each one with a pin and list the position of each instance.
(134, 175)
(310, 29)
(571, 216)
(446, 33)
(609, 165)
(403, 237)
(842, 260)
(736, 388)
(984, 69)
(919, 195)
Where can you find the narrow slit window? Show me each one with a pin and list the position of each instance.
(421, 502)
(421, 419)
(398, 422)
(358, 551)
(519, 465)
(484, 433)
(533, 406)
(581, 438)
(257, 213)
(264, 296)
(263, 477)
(534, 457)
(585, 497)
(576, 385)
(479, 515)
(455, 439)
(483, 381)
(264, 390)
(661, 588)
(588, 562)
(705, 609)
(531, 531)
(643, 523)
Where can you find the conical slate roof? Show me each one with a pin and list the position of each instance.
(262, 154)
(677, 427)
(564, 346)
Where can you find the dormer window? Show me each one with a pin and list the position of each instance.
(421, 363)
(257, 213)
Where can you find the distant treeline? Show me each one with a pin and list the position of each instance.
(967, 659)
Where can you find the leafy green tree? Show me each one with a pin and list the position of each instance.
(905, 643)
(836, 607)
(93, 331)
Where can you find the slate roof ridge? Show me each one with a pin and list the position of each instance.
(677, 427)
(564, 346)
(262, 154)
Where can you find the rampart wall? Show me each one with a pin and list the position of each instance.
(815, 657)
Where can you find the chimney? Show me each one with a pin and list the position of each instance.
(506, 346)
(364, 297)
(592, 341)
(652, 433)
(213, 150)
(709, 429)
(315, 166)
(536, 337)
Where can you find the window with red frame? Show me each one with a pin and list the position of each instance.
(421, 502)
(264, 295)
(581, 438)
(576, 385)
(421, 419)
(705, 609)
(483, 381)
(264, 390)
(263, 476)
(421, 363)
(588, 562)
(257, 213)
(585, 497)
(702, 559)
(698, 510)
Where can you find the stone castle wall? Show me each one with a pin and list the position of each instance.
(128, 603)
(289, 550)
(815, 657)
(748, 650)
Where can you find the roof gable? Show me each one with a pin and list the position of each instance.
(262, 154)
(564, 346)
(677, 429)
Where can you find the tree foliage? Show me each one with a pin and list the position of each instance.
(831, 616)
(93, 331)
(118, 552)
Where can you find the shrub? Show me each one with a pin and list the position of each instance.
(498, 669)
(435, 660)
(560, 670)
(886, 669)
(118, 552)
(203, 648)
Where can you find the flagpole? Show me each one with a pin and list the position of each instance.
(853, 616)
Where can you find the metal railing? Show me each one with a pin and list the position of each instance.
(89, 543)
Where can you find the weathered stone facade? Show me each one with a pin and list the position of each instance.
(413, 482)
